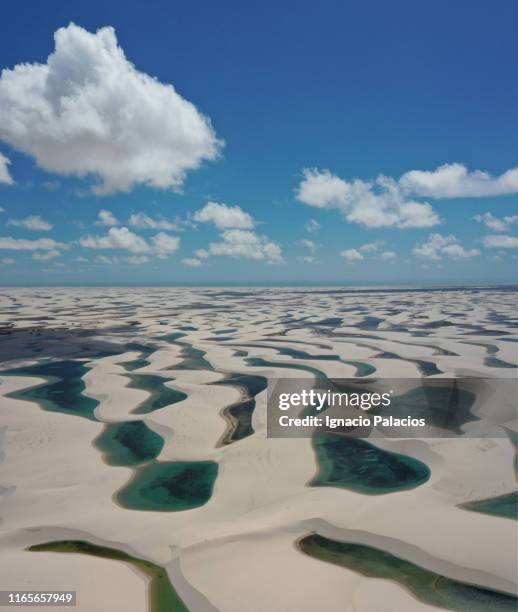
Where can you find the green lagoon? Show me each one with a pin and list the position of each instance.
(505, 506)
(161, 594)
(426, 586)
(169, 486)
(129, 443)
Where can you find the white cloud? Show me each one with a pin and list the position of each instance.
(438, 246)
(116, 238)
(192, 262)
(143, 221)
(372, 247)
(102, 259)
(8, 261)
(308, 244)
(455, 181)
(32, 222)
(106, 218)
(308, 259)
(389, 202)
(378, 203)
(312, 226)
(89, 111)
(161, 245)
(224, 216)
(5, 177)
(352, 255)
(388, 255)
(323, 189)
(41, 244)
(202, 253)
(136, 260)
(246, 244)
(2, 210)
(46, 255)
(164, 245)
(494, 223)
(501, 242)
(81, 259)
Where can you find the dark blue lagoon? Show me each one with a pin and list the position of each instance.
(63, 390)
(161, 395)
(355, 464)
(239, 415)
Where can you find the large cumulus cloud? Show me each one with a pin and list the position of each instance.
(89, 111)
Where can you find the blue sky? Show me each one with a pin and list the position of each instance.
(308, 142)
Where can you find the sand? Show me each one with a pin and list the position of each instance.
(238, 551)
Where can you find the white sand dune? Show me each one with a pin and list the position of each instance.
(238, 551)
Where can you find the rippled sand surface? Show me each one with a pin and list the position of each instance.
(133, 439)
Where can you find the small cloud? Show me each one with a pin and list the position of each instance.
(308, 244)
(352, 255)
(116, 238)
(161, 245)
(224, 216)
(106, 218)
(501, 242)
(388, 255)
(456, 181)
(437, 246)
(312, 225)
(41, 244)
(136, 260)
(5, 177)
(33, 222)
(248, 245)
(164, 244)
(143, 221)
(371, 247)
(191, 261)
(494, 223)
(8, 261)
(45, 255)
(102, 259)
